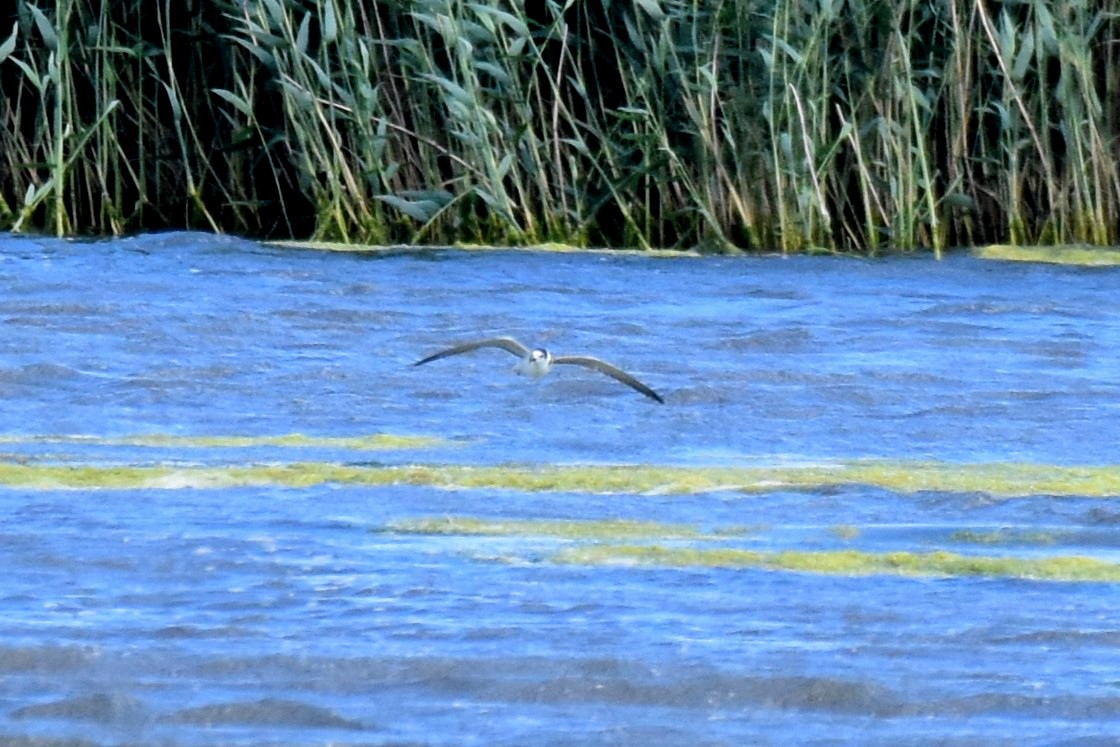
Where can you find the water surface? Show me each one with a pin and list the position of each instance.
(194, 610)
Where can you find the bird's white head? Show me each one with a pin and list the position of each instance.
(537, 363)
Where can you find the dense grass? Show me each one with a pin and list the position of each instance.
(793, 125)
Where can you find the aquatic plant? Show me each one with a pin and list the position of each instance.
(1061, 255)
(616, 542)
(599, 544)
(1005, 536)
(766, 125)
(995, 479)
(848, 562)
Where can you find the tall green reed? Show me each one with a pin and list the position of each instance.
(796, 125)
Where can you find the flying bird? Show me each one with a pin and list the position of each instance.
(538, 362)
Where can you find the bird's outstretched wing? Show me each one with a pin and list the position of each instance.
(613, 371)
(505, 343)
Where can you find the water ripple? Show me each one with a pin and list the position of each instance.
(238, 515)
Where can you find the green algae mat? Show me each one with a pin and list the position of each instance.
(852, 562)
(1066, 254)
(980, 552)
(995, 479)
(634, 543)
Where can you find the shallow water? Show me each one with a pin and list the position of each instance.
(298, 613)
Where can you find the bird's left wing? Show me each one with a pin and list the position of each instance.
(613, 371)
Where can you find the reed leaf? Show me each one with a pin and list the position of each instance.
(8, 46)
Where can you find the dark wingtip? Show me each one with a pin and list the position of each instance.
(430, 358)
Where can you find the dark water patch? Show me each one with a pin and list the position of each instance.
(189, 632)
(796, 339)
(611, 682)
(103, 708)
(271, 712)
(1057, 707)
(711, 692)
(1105, 639)
(14, 740)
(1105, 516)
(46, 659)
(38, 373)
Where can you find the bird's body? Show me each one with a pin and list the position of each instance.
(535, 363)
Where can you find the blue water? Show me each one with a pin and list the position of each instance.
(293, 616)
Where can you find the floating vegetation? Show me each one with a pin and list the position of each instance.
(848, 562)
(627, 543)
(1089, 256)
(995, 479)
(605, 529)
(551, 248)
(375, 442)
(1004, 537)
(845, 532)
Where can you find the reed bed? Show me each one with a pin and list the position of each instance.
(796, 125)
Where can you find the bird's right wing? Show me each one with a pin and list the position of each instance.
(505, 343)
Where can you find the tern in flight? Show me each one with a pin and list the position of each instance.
(538, 362)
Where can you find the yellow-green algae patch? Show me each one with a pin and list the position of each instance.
(547, 247)
(607, 529)
(900, 477)
(76, 477)
(1067, 254)
(374, 442)
(1004, 537)
(848, 562)
(845, 532)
